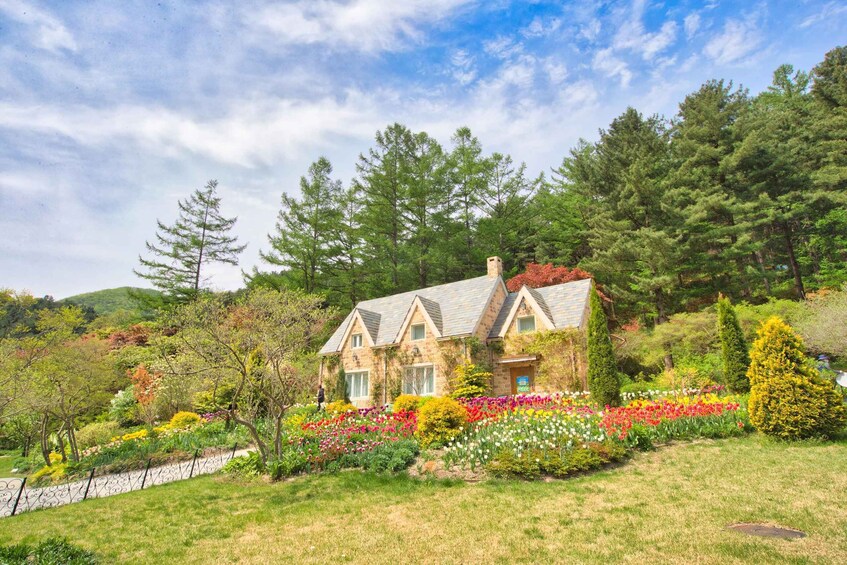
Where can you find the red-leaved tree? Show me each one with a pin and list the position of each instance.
(144, 387)
(537, 276)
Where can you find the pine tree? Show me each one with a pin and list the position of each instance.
(788, 399)
(603, 380)
(302, 243)
(182, 250)
(736, 359)
(380, 184)
(506, 228)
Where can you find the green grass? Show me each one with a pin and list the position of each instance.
(6, 458)
(670, 505)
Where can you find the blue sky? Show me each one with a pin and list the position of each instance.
(111, 111)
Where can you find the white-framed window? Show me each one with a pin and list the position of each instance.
(356, 341)
(418, 332)
(419, 380)
(357, 384)
(526, 324)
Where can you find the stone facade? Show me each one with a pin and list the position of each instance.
(386, 364)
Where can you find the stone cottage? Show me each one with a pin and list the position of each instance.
(411, 342)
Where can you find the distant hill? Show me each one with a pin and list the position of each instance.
(110, 300)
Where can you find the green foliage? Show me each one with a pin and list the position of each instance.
(250, 465)
(788, 399)
(339, 390)
(440, 420)
(736, 359)
(123, 408)
(602, 372)
(534, 463)
(51, 551)
(180, 253)
(97, 433)
(471, 381)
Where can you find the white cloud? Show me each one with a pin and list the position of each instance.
(691, 24)
(362, 25)
(605, 62)
(590, 30)
(539, 28)
(830, 11)
(502, 47)
(463, 67)
(556, 71)
(253, 132)
(632, 35)
(49, 32)
(737, 40)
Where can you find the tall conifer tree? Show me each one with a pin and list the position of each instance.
(199, 236)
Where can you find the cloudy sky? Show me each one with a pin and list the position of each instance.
(111, 111)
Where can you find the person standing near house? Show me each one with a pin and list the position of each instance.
(321, 395)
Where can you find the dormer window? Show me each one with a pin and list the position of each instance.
(526, 324)
(418, 332)
(356, 341)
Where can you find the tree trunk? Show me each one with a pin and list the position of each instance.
(792, 260)
(45, 444)
(761, 262)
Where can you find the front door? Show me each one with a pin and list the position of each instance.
(523, 379)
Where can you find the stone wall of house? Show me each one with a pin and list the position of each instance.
(428, 351)
(491, 312)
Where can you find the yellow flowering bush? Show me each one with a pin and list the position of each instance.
(440, 420)
(183, 419)
(407, 403)
(339, 407)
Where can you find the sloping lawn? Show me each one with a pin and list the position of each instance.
(6, 460)
(670, 505)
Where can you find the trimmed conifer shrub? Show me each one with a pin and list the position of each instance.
(602, 371)
(736, 359)
(340, 389)
(788, 399)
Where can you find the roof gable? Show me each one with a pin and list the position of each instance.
(460, 306)
(536, 302)
(431, 312)
(565, 304)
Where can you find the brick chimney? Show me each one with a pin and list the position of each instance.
(495, 267)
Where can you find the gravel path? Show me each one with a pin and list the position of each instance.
(105, 485)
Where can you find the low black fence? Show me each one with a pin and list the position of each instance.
(17, 496)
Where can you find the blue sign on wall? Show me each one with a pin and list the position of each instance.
(522, 383)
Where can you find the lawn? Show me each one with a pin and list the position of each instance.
(669, 505)
(6, 459)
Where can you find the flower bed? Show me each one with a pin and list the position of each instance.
(371, 439)
(555, 435)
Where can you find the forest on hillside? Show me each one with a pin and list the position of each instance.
(737, 193)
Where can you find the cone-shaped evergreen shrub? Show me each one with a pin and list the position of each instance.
(736, 359)
(788, 399)
(602, 370)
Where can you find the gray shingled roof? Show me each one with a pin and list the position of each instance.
(371, 320)
(459, 307)
(563, 303)
(434, 310)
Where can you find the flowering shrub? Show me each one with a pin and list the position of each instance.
(407, 403)
(339, 407)
(184, 420)
(440, 420)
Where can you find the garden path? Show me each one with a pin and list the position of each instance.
(105, 485)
